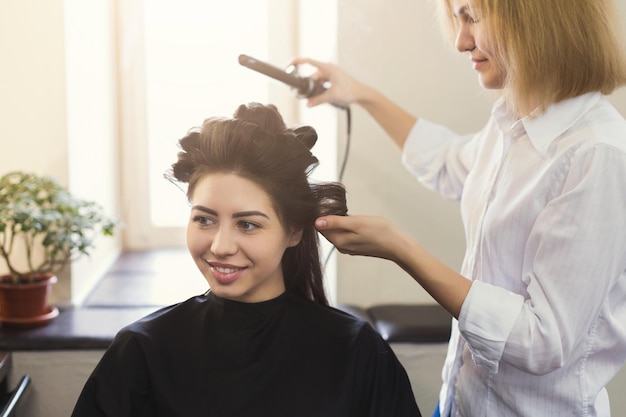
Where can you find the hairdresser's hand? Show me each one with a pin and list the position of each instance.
(343, 88)
(362, 235)
(378, 237)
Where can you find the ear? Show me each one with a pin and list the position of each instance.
(295, 238)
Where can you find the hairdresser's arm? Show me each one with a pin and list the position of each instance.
(345, 89)
(378, 237)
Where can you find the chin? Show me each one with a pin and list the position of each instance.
(489, 82)
(225, 291)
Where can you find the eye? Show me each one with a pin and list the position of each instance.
(247, 226)
(472, 15)
(203, 220)
(469, 18)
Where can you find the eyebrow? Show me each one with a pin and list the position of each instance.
(239, 214)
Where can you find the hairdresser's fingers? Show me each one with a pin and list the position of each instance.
(359, 235)
(337, 82)
(359, 225)
(324, 71)
(325, 97)
(304, 60)
(338, 230)
(341, 90)
(335, 222)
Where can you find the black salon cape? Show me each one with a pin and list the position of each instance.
(287, 357)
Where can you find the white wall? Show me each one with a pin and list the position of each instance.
(58, 109)
(398, 47)
(32, 88)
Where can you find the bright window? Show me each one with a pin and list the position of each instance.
(178, 64)
(192, 73)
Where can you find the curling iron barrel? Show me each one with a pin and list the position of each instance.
(305, 86)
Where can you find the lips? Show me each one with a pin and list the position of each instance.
(478, 62)
(225, 274)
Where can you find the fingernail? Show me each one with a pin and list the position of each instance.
(320, 224)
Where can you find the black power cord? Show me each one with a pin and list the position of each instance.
(344, 161)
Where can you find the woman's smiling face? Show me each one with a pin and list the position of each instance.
(473, 38)
(237, 239)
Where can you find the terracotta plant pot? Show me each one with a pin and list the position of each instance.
(26, 305)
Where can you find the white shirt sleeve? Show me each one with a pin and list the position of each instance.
(439, 158)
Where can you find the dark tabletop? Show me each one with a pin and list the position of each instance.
(80, 328)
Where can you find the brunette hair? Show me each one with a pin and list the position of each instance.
(552, 50)
(255, 144)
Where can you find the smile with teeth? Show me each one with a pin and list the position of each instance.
(224, 270)
(225, 274)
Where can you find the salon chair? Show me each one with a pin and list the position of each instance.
(406, 323)
(418, 335)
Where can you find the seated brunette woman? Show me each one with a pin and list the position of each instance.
(263, 340)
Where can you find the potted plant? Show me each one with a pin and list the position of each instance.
(43, 227)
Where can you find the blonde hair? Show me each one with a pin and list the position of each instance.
(551, 50)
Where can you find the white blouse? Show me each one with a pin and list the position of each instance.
(543, 200)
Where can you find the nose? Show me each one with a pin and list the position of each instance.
(224, 243)
(464, 39)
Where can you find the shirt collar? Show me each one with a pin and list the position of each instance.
(546, 127)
